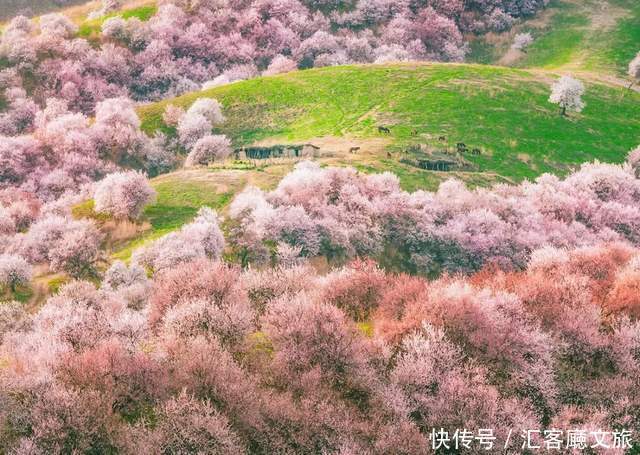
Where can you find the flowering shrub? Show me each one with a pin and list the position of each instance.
(567, 93)
(123, 195)
(65, 244)
(522, 41)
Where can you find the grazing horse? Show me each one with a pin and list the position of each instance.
(384, 129)
(354, 149)
(442, 138)
(476, 151)
(461, 147)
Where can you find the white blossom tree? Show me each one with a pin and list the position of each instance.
(522, 41)
(567, 93)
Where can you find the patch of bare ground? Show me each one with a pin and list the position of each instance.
(371, 152)
(333, 150)
(524, 157)
(544, 76)
(604, 16)
(221, 181)
(40, 286)
(335, 146)
(504, 40)
(607, 79)
(121, 231)
(549, 76)
(511, 57)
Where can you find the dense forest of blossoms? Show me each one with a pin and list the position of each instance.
(190, 43)
(511, 308)
(531, 324)
(207, 358)
(340, 213)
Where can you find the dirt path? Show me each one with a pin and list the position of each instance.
(589, 76)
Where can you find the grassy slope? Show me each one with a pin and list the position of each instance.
(573, 35)
(617, 47)
(179, 196)
(177, 203)
(559, 42)
(503, 111)
(91, 28)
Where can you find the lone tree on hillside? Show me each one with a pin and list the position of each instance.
(634, 70)
(567, 93)
(522, 41)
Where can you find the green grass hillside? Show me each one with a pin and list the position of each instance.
(597, 36)
(502, 111)
(91, 28)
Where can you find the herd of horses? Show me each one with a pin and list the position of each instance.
(432, 163)
(461, 147)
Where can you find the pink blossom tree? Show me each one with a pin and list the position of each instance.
(208, 149)
(67, 245)
(123, 195)
(280, 64)
(202, 238)
(187, 424)
(14, 271)
(117, 129)
(172, 115)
